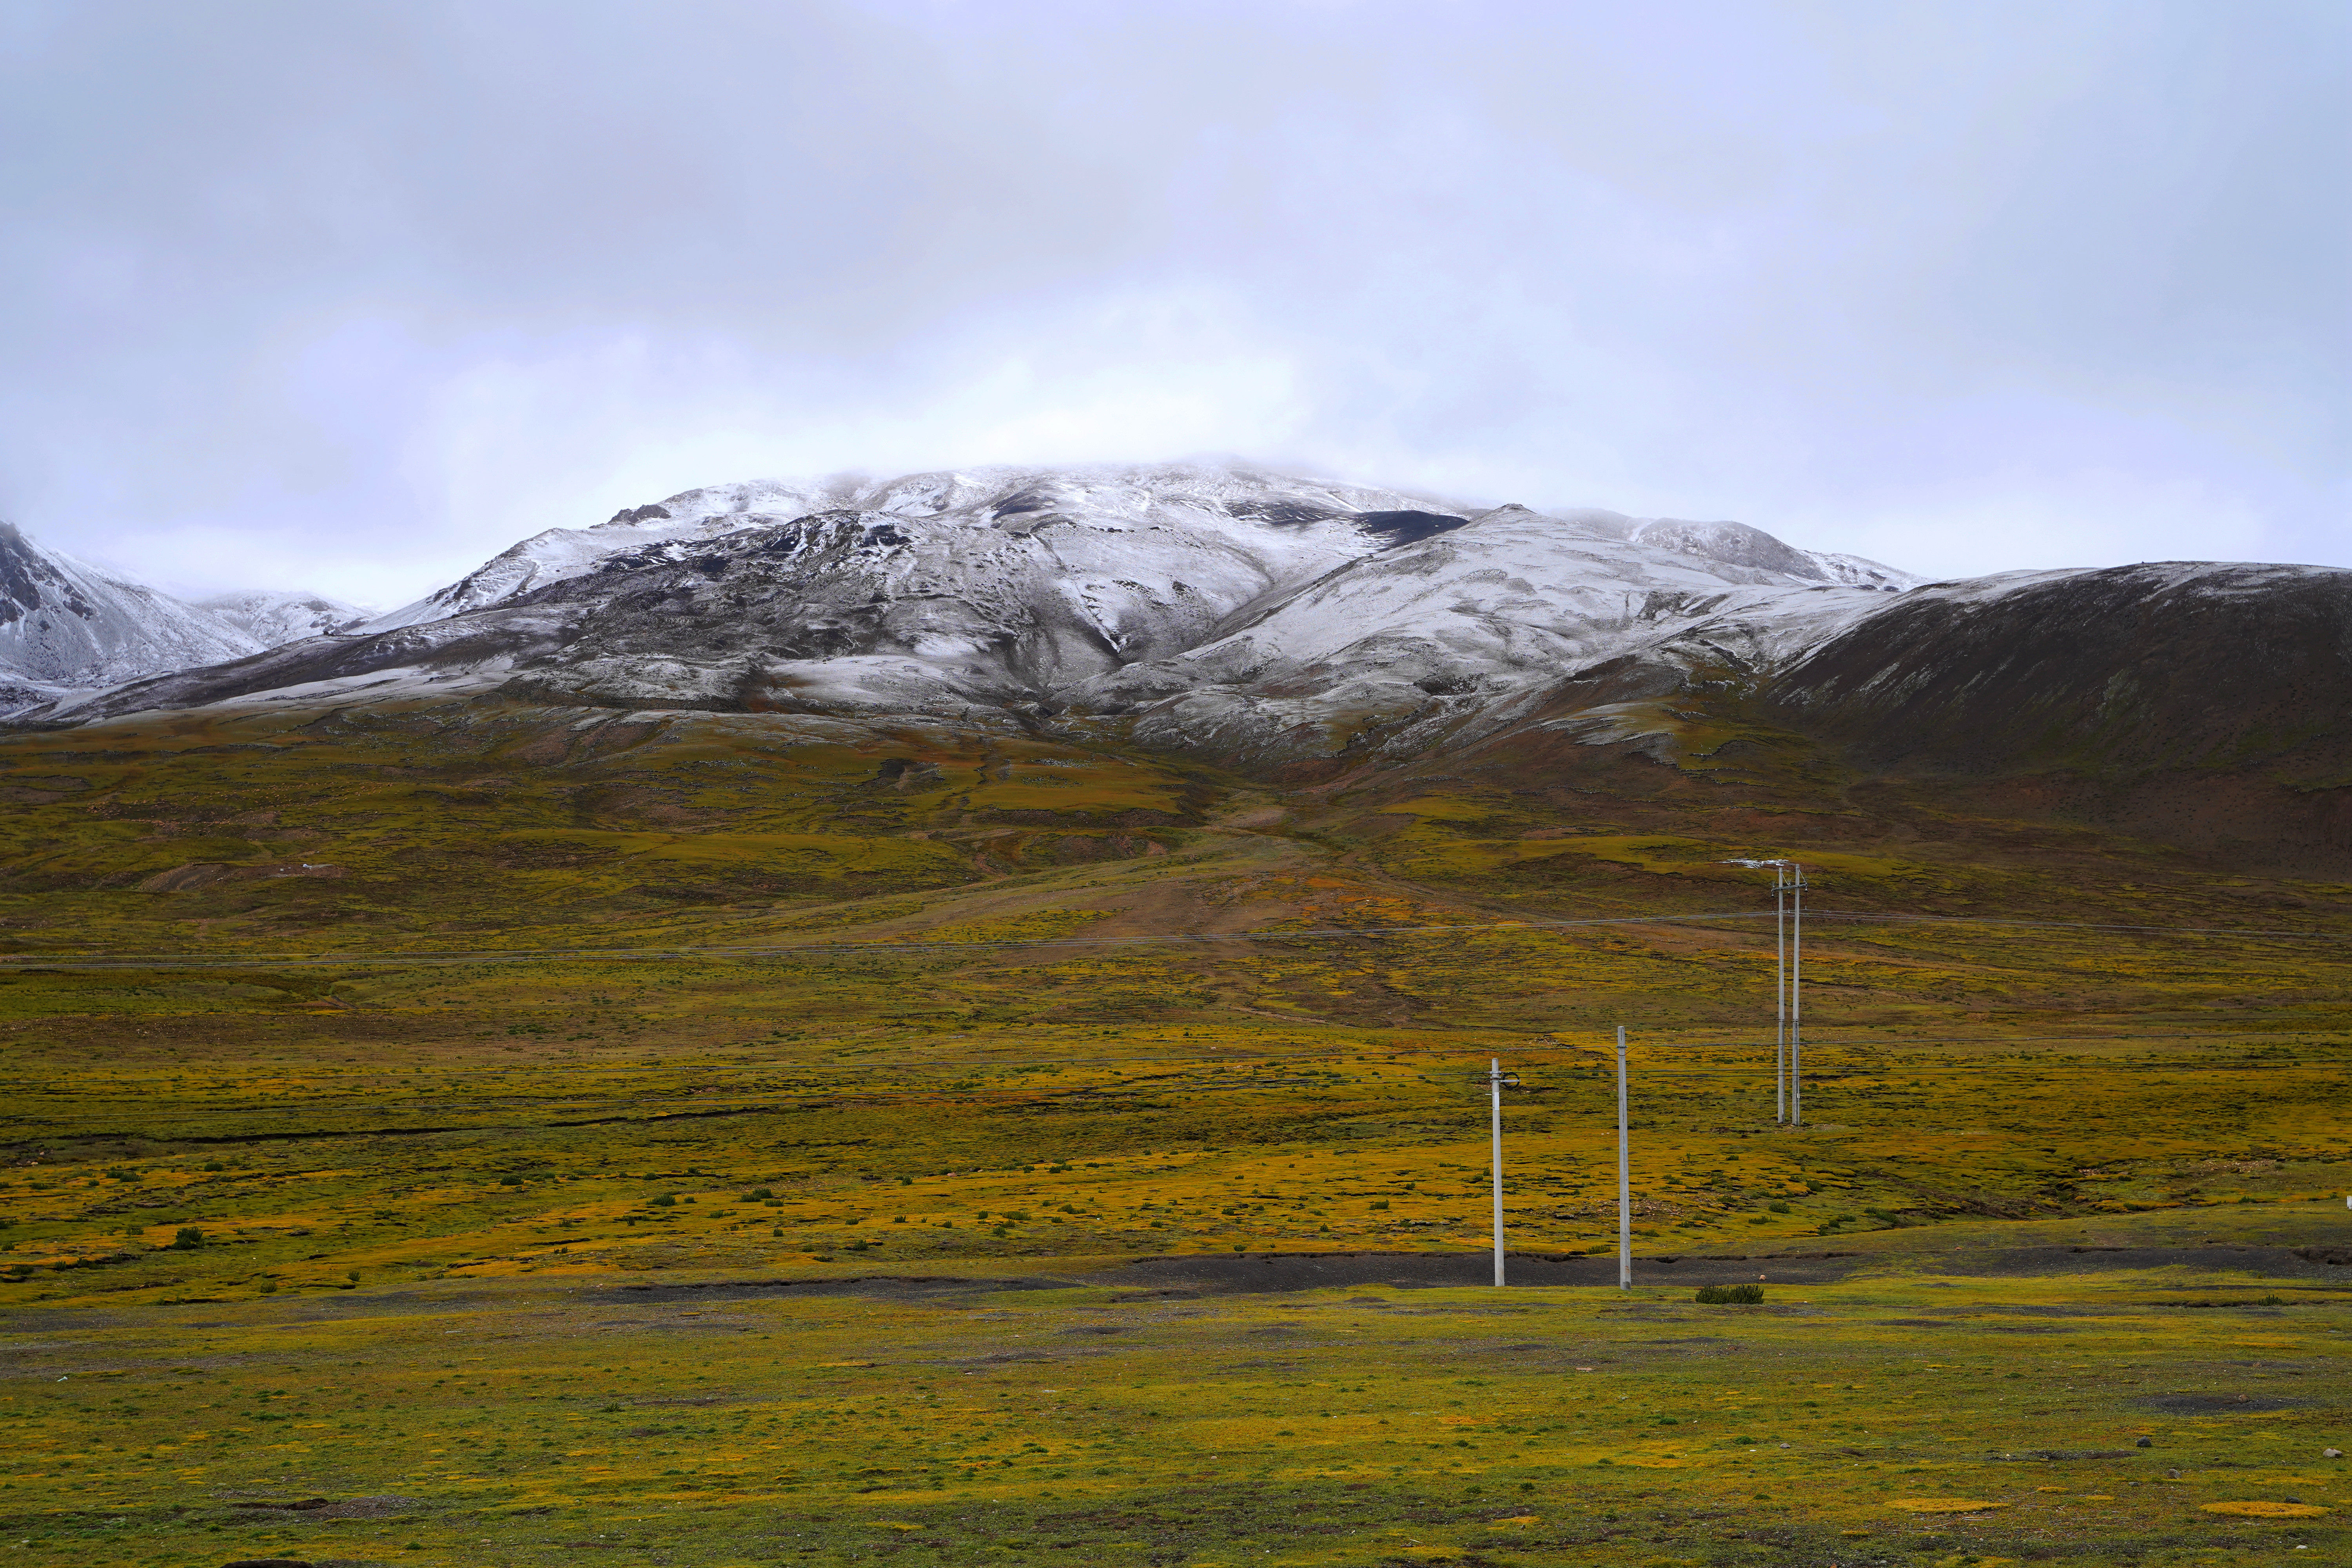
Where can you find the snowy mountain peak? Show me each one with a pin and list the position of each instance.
(1296, 518)
(274, 616)
(66, 626)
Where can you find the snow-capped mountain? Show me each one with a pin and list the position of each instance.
(558, 554)
(1209, 604)
(66, 626)
(275, 616)
(1289, 624)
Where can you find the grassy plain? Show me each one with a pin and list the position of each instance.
(532, 1223)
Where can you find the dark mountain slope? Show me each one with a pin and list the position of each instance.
(2126, 671)
(2209, 706)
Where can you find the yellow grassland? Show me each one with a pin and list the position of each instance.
(728, 1139)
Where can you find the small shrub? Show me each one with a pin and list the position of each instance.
(187, 1239)
(1721, 1295)
(665, 1202)
(1777, 1207)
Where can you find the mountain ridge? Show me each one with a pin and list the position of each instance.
(1299, 628)
(1046, 590)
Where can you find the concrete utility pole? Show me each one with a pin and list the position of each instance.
(1780, 993)
(1787, 985)
(1496, 1080)
(1796, 995)
(1624, 1178)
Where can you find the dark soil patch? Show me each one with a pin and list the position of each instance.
(1252, 1272)
(367, 1508)
(2012, 1262)
(899, 1286)
(1272, 1271)
(2214, 1403)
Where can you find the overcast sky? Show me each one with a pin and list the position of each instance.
(350, 296)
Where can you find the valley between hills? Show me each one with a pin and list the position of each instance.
(676, 1137)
